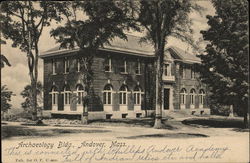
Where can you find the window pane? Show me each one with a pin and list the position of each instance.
(120, 94)
(109, 97)
(138, 98)
(66, 98)
(104, 98)
(134, 98)
(69, 98)
(124, 98)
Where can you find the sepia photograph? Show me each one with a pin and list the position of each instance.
(102, 81)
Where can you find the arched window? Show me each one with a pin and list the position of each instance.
(107, 94)
(54, 95)
(80, 93)
(183, 94)
(66, 92)
(202, 96)
(192, 96)
(123, 94)
(137, 95)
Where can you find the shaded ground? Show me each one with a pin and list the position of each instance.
(14, 131)
(169, 135)
(215, 122)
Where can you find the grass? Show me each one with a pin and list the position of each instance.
(14, 131)
(217, 122)
(168, 135)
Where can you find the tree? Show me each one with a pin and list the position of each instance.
(5, 98)
(23, 23)
(27, 95)
(224, 67)
(161, 19)
(89, 25)
(4, 60)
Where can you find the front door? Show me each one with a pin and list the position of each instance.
(166, 99)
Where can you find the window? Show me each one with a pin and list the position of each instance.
(107, 94)
(183, 94)
(192, 96)
(138, 67)
(78, 65)
(54, 95)
(66, 65)
(124, 67)
(202, 96)
(137, 95)
(66, 97)
(54, 66)
(123, 93)
(80, 93)
(108, 65)
(167, 70)
(192, 72)
(182, 71)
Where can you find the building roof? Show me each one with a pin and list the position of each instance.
(131, 46)
(184, 56)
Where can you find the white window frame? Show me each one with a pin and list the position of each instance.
(137, 94)
(202, 96)
(54, 97)
(121, 93)
(110, 65)
(66, 65)
(80, 94)
(192, 97)
(107, 92)
(66, 101)
(53, 66)
(167, 66)
(125, 67)
(192, 72)
(138, 67)
(183, 96)
(78, 64)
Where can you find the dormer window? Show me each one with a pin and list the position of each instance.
(108, 65)
(53, 66)
(192, 72)
(66, 65)
(182, 71)
(138, 67)
(167, 69)
(124, 67)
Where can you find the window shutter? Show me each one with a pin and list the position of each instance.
(49, 103)
(188, 101)
(143, 105)
(197, 101)
(130, 101)
(60, 102)
(116, 101)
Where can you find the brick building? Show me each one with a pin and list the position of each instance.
(123, 85)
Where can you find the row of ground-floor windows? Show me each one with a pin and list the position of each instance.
(184, 95)
(107, 95)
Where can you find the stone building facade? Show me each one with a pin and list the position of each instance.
(123, 82)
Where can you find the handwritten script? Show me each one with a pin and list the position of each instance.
(110, 151)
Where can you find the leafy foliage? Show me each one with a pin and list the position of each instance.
(23, 23)
(5, 98)
(27, 95)
(225, 66)
(4, 60)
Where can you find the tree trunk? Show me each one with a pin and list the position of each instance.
(158, 94)
(246, 120)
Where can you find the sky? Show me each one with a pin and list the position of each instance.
(16, 77)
